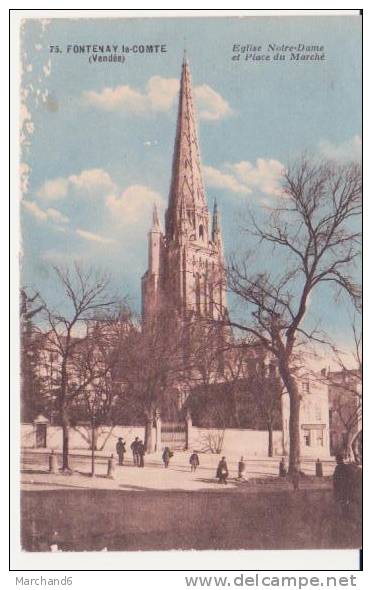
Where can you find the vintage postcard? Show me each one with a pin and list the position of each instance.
(190, 283)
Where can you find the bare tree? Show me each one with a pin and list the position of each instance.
(315, 227)
(86, 294)
(94, 365)
(345, 386)
(32, 393)
(266, 389)
(153, 364)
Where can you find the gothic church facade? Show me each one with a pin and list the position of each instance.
(185, 263)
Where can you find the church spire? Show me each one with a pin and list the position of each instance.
(186, 183)
(155, 220)
(216, 226)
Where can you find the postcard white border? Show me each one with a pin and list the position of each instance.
(304, 560)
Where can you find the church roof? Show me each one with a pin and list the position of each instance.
(186, 189)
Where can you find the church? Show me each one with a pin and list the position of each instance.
(185, 280)
(185, 263)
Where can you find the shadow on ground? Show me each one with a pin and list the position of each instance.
(119, 520)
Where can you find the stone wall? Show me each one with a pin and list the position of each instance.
(106, 438)
(235, 442)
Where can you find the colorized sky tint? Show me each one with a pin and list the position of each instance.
(97, 138)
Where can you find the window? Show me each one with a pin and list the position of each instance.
(320, 438)
(307, 438)
(201, 231)
(305, 386)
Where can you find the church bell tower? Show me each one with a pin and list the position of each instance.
(185, 269)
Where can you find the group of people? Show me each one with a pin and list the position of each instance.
(137, 448)
(344, 476)
(138, 452)
(193, 461)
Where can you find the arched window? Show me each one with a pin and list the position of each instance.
(201, 231)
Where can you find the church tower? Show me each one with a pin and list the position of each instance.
(185, 268)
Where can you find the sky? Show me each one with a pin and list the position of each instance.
(97, 137)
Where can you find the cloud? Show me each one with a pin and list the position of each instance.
(94, 183)
(49, 214)
(162, 93)
(92, 237)
(53, 190)
(57, 216)
(159, 96)
(212, 106)
(245, 177)
(217, 179)
(264, 176)
(349, 150)
(134, 205)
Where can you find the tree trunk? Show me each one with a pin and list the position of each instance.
(64, 412)
(348, 450)
(93, 448)
(65, 441)
(294, 417)
(294, 432)
(270, 443)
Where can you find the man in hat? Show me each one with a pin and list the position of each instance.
(134, 449)
(222, 471)
(120, 449)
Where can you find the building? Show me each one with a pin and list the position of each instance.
(345, 409)
(186, 280)
(314, 416)
(185, 263)
(185, 272)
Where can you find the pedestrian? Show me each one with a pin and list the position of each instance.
(194, 461)
(141, 454)
(134, 448)
(342, 483)
(222, 471)
(167, 455)
(241, 468)
(282, 468)
(120, 450)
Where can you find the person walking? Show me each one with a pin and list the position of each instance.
(141, 454)
(222, 471)
(241, 468)
(342, 483)
(194, 461)
(167, 455)
(120, 450)
(282, 468)
(134, 449)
